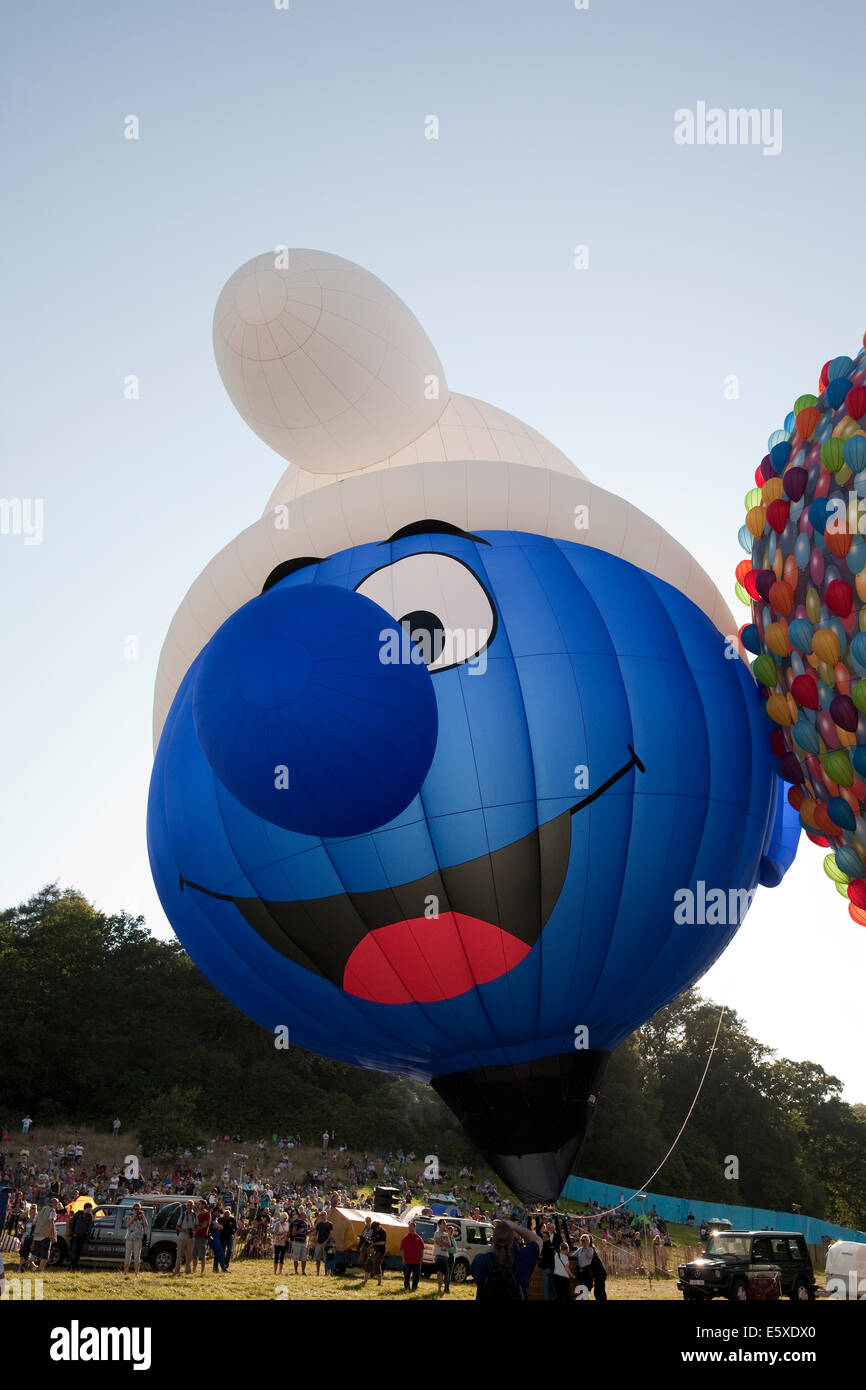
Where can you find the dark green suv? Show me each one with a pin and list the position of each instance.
(731, 1256)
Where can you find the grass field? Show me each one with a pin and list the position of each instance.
(255, 1280)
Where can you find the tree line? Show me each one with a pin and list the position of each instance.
(101, 1019)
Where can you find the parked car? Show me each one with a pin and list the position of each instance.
(107, 1242)
(471, 1238)
(732, 1256)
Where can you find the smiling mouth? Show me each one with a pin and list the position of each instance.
(433, 938)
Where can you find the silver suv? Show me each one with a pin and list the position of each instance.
(106, 1244)
(471, 1238)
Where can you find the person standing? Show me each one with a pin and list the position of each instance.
(200, 1237)
(215, 1241)
(228, 1228)
(323, 1228)
(378, 1247)
(25, 1124)
(80, 1227)
(503, 1273)
(547, 1262)
(115, 1128)
(365, 1247)
(300, 1234)
(44, 1234)
(26, 1239)
(562, 1273)
(442, 1242)
(136, 1230)
(584, 1257)
(412, 1246)
(282, 1226)
(599, 1277)
(185, 1227)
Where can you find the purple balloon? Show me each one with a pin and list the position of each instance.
(844, 712)
(816, 566)
(764, 581)
(790, 769)
(794, 483)
(827, 728)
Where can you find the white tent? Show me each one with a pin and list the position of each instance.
(846, 1270)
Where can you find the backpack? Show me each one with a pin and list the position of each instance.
(501, 1286)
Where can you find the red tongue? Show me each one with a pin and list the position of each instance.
(429, 958)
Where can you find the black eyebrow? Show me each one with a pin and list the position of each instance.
(288, 567)
(431, 527)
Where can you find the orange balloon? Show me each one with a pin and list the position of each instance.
(807, 811)
(847, 739)
(843, 678)
(776, 638)
(823, 821)
(781, 596)
(825, 645)
(776, 566)
(755, 519)
(839, 542)
(777, 708)
(857, 914)
(790, 572)
(853, 801)
(772, 490)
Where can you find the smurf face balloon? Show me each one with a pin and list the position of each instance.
(458, 773)
(805, 580)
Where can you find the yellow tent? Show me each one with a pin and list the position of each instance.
(79, 1205)
(349, 1223)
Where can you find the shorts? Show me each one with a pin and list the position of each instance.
(440, 1262)
(199, 1248)
(40, 1248)
(299, 1250)
(320, 1252)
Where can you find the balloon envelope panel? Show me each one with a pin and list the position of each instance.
(598, 759)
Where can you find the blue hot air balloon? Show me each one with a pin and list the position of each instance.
(457, 774)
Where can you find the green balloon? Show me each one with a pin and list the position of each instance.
(813, 605)
(843, 889)
(858, 695)
(832, 454)
(804, 403)
(832, 870)
(765, 670)
(838, 767)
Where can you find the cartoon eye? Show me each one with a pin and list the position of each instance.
(440, 602)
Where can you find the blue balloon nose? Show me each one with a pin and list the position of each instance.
(313, 709)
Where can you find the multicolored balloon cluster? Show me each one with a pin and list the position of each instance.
(805, 580)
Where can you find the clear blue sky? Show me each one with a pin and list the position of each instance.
(306, 127)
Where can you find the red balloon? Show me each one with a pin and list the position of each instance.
(807, 421)
(825, 375)
(855, 402)
(817, 840)
(777, 515)
(839, 598)
(805, 691)
(777, 743)
(857, 892)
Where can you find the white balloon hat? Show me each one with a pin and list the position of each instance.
(332, 370)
